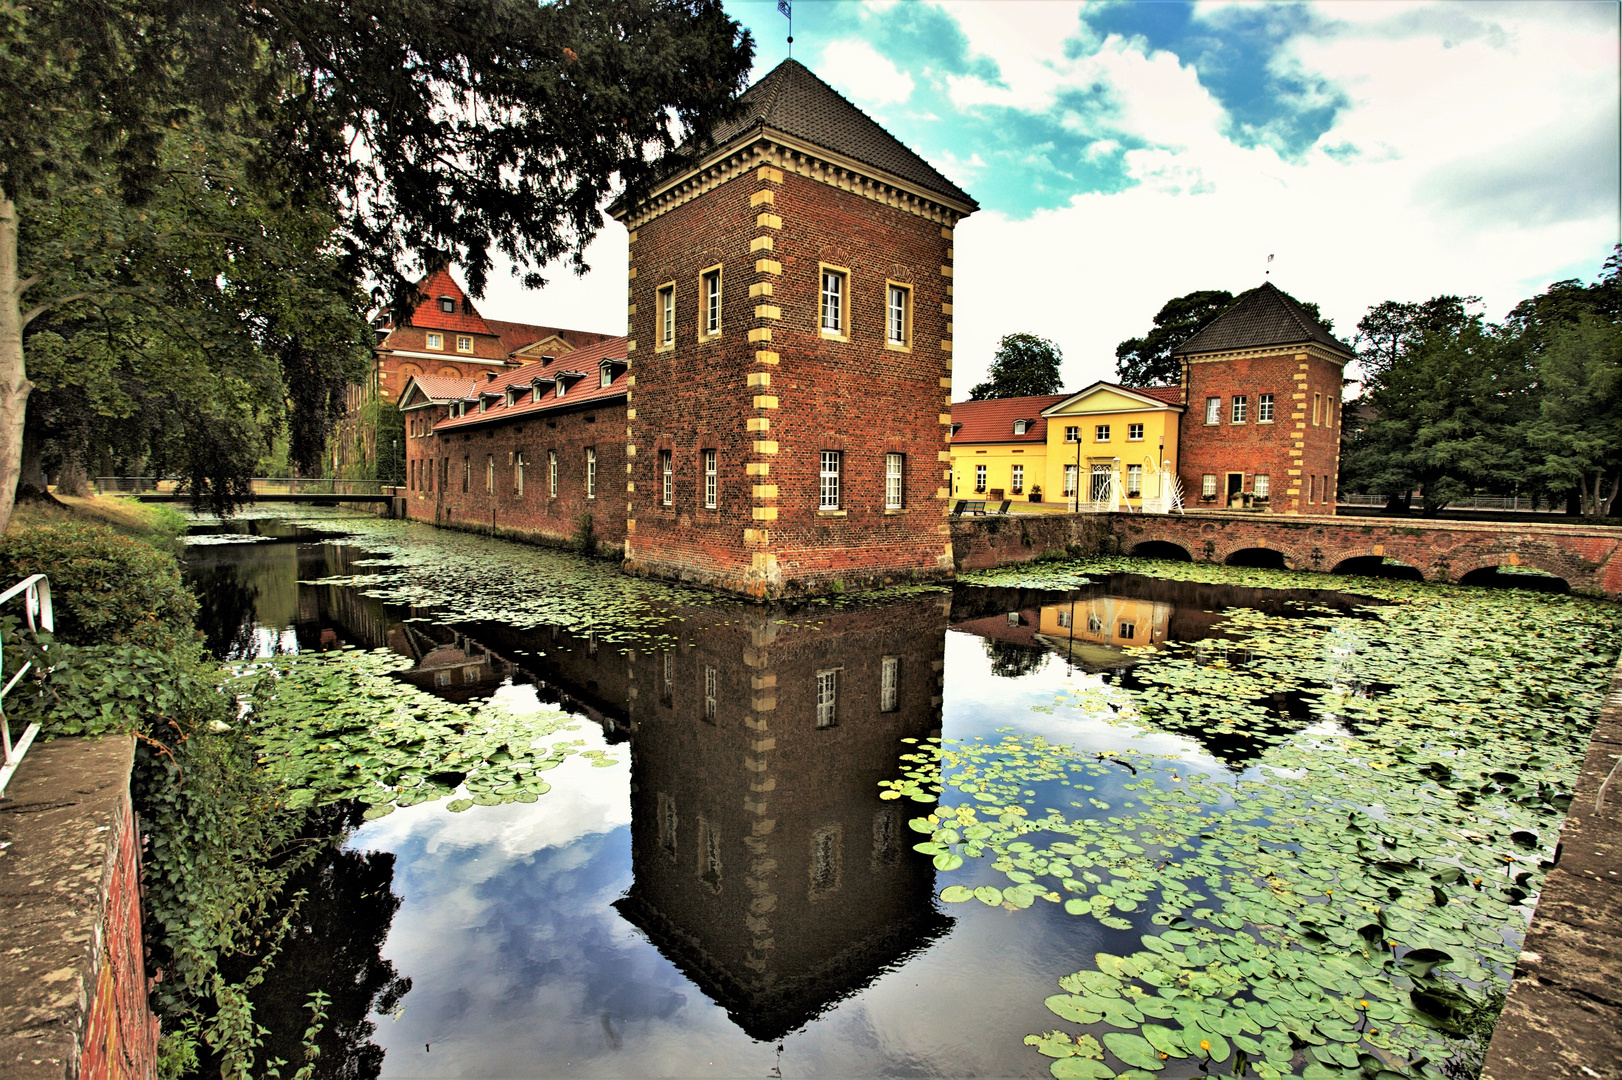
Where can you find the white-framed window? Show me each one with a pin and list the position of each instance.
(827, 698)
(1134, 433)
(833, 301)
(490, 474)
(712, 692)
(552, 473)
(447, 305)
(1018, 479)
(889, 683)
(1013, 618)
(828, 481)
(1069, 481)
(1240, 406)
(1100, 484)
(667, 478)
(979, 478)
(710, 480)
(561, 388)
(1100, 433)
(1261, 485)
(710, 290)
(607, 375)
(1264, 408)
(1072, 433)
(1134, 479)
(667, 824)
(591, 472)
(518, 474)
(896, 314)
(1064, 617)
(1213, 410)
(464, 343)
(1020, 426)
(894, 472)
(1128, 631)
(1208, 485)
(667, 315)
(436, 341)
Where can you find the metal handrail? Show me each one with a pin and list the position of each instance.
(36, 593)
(261, 485)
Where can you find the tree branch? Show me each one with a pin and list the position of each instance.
(90, 294)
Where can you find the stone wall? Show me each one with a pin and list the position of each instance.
(983, 542)
(73, 985)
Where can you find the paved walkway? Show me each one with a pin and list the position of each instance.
(1564, 1013)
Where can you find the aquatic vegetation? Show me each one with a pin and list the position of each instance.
(337, 726)
(1349, 904)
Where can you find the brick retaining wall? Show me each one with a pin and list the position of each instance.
(983, 542)
(73, 986)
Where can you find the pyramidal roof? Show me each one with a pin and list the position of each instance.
(791, 100)
(1264, 316)
(465, 318)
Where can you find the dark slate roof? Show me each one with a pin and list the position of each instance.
(1264, 316)
(794, 101)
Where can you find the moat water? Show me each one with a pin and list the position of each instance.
(732, 896)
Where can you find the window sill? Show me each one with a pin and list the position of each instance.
(1260, 422)
(705, 339)
(832, 513)
(895, 346)
(829, 335)
(896, 512)
(664, 348)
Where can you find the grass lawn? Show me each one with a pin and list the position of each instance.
(156, 523)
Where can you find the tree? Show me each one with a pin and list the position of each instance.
(439, 129)
(1444, 411)
(1147, 361)
(1577, 430)
(1024, 366)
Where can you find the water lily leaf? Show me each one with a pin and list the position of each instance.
(956, 894)
(948, 860)
(1073, 1008)
(1053, 1044)
(1421, 962)
(1080, 1068)
(988, 894)
(1165, 1040)
(1134, 1050)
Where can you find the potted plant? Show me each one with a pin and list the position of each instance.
(1036, 493)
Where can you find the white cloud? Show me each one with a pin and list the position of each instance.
(862, 73)
(1474, 156)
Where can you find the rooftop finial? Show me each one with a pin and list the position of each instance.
(1269, 271)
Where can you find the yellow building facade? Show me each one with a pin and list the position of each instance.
(1041, 449)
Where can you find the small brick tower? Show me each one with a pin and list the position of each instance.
(791, 334)
(1262, 384)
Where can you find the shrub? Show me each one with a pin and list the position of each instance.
(105, 588)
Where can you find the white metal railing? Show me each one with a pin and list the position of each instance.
(36, 594)
(259, 485)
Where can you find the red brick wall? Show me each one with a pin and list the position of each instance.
(1298, 480)
(121, 1034)
(536, 515)
(770, 406)
(394, 370)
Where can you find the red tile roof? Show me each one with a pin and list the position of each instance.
(993, 421)
(589, 389)
(1171, 395)
(464, 320)
(439, 388)
(516, 335)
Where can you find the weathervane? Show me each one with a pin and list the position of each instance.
(1269, 271)
(787, 9)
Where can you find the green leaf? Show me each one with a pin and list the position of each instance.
(1134, 1050)
(956, 894)
(1080, 1068)
(1073, 1008)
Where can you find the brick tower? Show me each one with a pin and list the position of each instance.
(1262, 384)
(791, 334)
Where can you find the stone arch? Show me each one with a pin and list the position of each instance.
(1265, 558)
(1367, 563)
(1483, 571)
(450, 373)
(408, 371)
(1161, 549)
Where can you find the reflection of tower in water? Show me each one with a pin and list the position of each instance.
(766, 866)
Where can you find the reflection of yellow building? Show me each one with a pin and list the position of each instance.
(1107, 620)
(1014, 448)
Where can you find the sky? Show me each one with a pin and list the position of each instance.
(1126, 153)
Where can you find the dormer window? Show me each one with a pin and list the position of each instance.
(512, 397)
(560, 388)
(1019, 426)
(607, 373)
(484, 404)
(447, 305)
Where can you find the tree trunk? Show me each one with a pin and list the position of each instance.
(73, 481)
(14, 384)
(1612, 506)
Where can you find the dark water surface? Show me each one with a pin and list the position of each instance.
(731, 897)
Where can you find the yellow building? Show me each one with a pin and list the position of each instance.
(1034, 449)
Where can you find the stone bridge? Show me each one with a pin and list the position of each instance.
(1588, 558)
